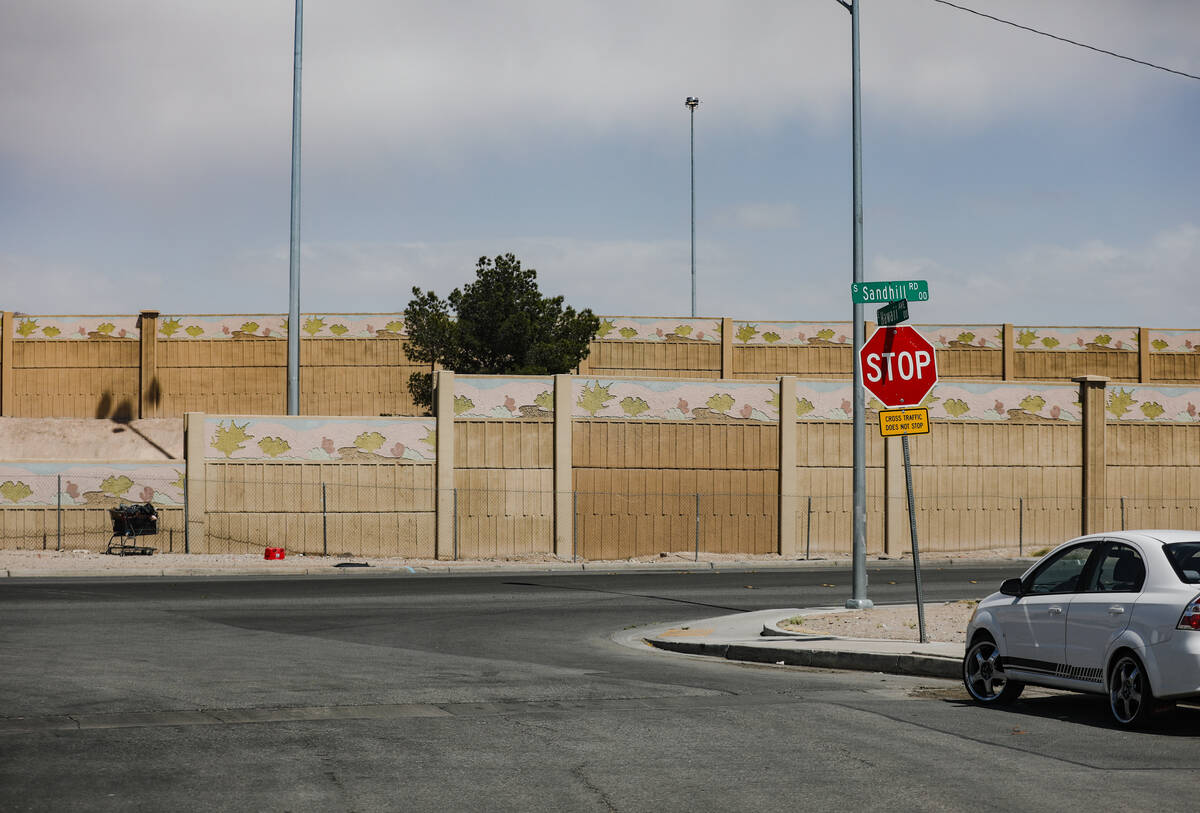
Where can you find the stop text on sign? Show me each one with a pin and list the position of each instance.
(898, 366)
(905, 365)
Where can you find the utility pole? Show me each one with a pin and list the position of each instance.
(293, 332)
(858, 599)
(692, 103)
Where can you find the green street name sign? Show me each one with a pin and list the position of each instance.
(892, 313)
(913, 290)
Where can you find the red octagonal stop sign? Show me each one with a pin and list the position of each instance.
(898, 365)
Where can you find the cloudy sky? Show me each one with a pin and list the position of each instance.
(145, 157)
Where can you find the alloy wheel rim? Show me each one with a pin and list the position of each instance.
(984, 676)
(1126, 692)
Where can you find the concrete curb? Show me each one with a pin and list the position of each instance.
(890, 663)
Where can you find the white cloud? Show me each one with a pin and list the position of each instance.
(1156, 284)
(143, 90)
(761, 216)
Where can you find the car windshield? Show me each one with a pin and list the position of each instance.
(1185, 557)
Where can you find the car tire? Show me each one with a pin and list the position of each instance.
(1130, 697)
(984, 677)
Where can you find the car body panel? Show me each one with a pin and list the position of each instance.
(1070, 640)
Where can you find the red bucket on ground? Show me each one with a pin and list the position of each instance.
(273, 553)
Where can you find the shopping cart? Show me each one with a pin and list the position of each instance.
(129, 522)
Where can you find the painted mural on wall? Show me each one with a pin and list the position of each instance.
(652, 329)
(506, 398)
(1002, 402)
(75, 327)
(674, 400)
(98, 484)
(947, 337)
(1075, 338)
(232, 437)
(1137, 402)
(811, 334)
(275, 326)
(1174, 341)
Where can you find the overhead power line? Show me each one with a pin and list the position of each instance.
(1068, 41)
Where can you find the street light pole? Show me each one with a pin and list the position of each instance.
(692, 103)
(858, 599)
(293, 330)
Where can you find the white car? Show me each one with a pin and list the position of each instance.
(1111, 613)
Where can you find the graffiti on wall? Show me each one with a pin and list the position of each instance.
(101, 484)
(231, 437)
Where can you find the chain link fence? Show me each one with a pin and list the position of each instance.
(347, 518)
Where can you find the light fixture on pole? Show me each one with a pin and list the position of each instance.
(692, 103)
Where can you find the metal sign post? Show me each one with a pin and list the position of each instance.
(916, 553)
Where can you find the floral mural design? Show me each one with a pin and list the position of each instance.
(812, 334)
(1162, 404)
(101, 484)
(274, 326)
(675, 400)
(1174, 341)
(503, 397)
(76, 327)
(945, 337)
(1075, 338)
(644, 329)
(286, 438)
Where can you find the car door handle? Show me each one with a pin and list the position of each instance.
(1116, 610)
(1054, 610)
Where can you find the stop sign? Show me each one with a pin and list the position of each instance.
(899, 366)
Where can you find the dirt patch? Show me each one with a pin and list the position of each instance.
(943, 622)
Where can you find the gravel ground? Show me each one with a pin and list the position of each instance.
(944, 621)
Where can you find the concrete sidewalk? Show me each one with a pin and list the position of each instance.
(756, 637)
(52, 564)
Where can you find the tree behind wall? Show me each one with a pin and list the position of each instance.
(500, 323)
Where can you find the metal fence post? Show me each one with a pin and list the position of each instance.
(1122, 513)
(808, 531)
(574, 525)
(59, 512)
(1020, 526)
(454, 536)
(697, 527)
(324, 524)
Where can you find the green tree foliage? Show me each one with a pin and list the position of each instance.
(116, 486)
(1033, 403)
(498, 324)
(720, 402)
(594, 398)
(956, 407)
(369, 441)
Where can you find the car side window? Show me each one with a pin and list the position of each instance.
(1063, 573)
(1119, 570)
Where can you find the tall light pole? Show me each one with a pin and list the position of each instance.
(858, 599)
(293, 332)
(692, 103)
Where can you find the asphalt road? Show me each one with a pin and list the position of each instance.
(508, 692)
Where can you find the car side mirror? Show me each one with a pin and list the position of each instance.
(1011, 587)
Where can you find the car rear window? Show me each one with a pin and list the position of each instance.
(1185, 558)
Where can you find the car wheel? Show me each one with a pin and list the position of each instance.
(1129, 695)
(984, 677)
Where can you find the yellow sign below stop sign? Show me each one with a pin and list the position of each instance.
(914, 421)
